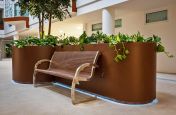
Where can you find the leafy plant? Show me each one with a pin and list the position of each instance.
(19, 43)
(137, 38)
(65, 40)
(125, 38)
(99, 37)
(160, 47)
(122, 51)
(83, 40)
(34, 41)
(73, 40)
(116, 42)
(8, 50)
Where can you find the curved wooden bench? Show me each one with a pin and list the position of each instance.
(76, 66)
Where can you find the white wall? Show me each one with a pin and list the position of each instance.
(134, 21)
(69, 29)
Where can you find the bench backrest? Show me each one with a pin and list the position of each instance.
(71, 60)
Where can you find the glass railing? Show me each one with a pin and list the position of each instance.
(13, 9)
(19, 13)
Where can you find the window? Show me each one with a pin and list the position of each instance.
(97, 27)
(118, 23)
(156, 16)
(17, 11)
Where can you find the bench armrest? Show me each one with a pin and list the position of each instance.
(82, 67)
(40, 62)
(78, 70)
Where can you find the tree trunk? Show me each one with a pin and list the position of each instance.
(49, 27)
(42, 25)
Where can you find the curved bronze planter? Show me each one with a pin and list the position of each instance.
(24, 59)
(131, 81)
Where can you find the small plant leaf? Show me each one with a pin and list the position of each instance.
(127, 51)
(160, 48)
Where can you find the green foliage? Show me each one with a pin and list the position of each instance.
(133, 38)
(8, 50)
(99, 37)
(35, 7)
(34, 41)
(73, 40)
(124, 38)
(65, 40)
(137, 38)
(46, 10)
(116, 42)
(83, 40)
(160, 47)
(122, 51)
(56, 9)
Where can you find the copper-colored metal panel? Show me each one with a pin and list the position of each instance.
(130, 81)
(24, 59)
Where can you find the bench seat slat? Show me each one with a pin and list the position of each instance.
(62, 73)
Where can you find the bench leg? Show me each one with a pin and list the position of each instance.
(34, 79)
(73, 96)
(73, 92)
(39, 83)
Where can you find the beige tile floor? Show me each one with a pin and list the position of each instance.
(17, 99)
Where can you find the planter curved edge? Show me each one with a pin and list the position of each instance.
(24, 59)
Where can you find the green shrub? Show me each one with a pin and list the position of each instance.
(98, 37)
(34, 41)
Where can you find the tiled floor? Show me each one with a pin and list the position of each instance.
(18, 99)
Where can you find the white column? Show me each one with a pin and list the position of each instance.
(107, 22)
(16, 37)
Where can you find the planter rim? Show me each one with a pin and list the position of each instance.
(116, 44)
(34, 46)
(92, 44)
